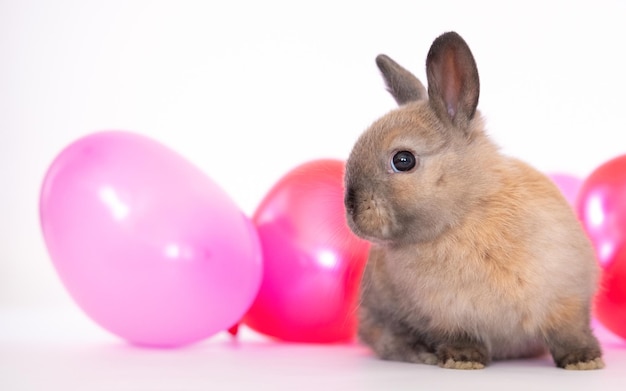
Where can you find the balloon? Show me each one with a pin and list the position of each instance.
(146, 244)
(602, 207)
(313, 262)
(569, 186)
(610, 301)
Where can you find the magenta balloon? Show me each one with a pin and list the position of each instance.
(313, 262)
(146, 244)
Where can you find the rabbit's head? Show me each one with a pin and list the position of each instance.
(418, 169)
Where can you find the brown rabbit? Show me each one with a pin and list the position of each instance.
(475, 256)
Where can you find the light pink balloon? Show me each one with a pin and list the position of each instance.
(146, 244)
(569, 186)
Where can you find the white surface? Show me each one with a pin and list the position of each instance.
(62, 350)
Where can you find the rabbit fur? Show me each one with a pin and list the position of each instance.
(475, 256)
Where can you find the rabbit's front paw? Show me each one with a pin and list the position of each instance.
(463, 356)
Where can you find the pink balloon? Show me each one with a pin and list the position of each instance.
(569, 186)
(146, 244)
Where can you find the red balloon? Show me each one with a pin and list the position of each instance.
(312, 261)
(602, 207)
(610, 301)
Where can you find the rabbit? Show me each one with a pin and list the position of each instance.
(475, 256)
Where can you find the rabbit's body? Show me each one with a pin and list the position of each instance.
(475, 256)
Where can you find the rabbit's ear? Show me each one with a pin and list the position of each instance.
(403, 86)
(453, 85)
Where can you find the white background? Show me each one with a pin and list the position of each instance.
(247, 90)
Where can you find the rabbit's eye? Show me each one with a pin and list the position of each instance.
(403, 161)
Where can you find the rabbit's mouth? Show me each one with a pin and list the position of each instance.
(368, 218)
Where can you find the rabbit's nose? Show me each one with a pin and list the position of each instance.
(350, 199)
